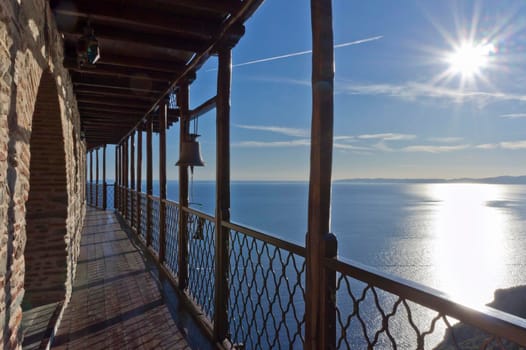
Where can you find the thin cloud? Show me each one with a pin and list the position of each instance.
(487, 146)
(513, 145)
(434, 148)
(445, 139)
(387, 137)
(272, 144)
(513, 115)
(306, 52)
(414, 90)
(295, 132)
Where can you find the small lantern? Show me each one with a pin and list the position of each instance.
(88, 51)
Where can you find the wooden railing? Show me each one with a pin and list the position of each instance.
(101, 196)
(266, 291)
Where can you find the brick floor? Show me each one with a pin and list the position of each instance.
(120, 301)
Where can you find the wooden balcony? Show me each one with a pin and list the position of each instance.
(120, 299)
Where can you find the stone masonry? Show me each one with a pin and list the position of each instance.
(42, 206)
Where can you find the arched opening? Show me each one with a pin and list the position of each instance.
(46, 215)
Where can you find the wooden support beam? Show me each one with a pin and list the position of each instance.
(116, 191)
(128, 103)
(126, 176)
(221, 327)
(139, 180)
(162, 182)
(136, 17)
(120, 72)
(204, 108)
(104, 185)
(132, 178)
(183, 99)
(91, 107)
(94, 91)
(91, 178)
(97, 177)
(119, 83)
(320, 315)
(174, 66)
(134, 91)
(213, 6)
(109, 34)
(149, 181)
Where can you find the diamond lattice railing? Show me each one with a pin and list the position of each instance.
(201, 241)
(172, 237)
(266, 304)
(369, 317)
(155, 229)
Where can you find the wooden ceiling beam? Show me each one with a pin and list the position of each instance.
(119, 72)
(213, 6)
(94, 91)
(110, 56)
(126, 83)
(105, 32)
(134, 16)
(86, 109)
(120, 89)
(121, 102)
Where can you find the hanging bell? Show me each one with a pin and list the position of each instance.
(190, 152)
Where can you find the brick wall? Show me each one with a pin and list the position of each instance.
(31, 54)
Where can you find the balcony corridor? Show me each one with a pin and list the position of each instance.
(120, 300)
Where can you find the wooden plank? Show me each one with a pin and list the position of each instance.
(109, 35)
(132, 176)
(99, 91)
(135, 17)
(183, 99)
(128, 103)
(149, 180)
(110, 59)
(215, 6)
(320, 330)
(120, 72)
(126, 83)
(162, 182)
(221, 325)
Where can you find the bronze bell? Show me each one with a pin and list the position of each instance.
(190, 152)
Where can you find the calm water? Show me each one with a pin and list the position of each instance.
(464, 239)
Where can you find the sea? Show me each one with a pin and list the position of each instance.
(463, 239)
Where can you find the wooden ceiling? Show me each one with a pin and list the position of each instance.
(147, 48)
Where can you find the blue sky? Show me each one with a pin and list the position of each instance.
(403, 107)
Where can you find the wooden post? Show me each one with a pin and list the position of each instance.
(104, 185)
(320, 315)
(222, 193)
(184, 128)
(97, 177)
(149, 181)
(116, 190)
(125, 178)
(163, 115)
(132, 177)
(91, 177)
(139, 179)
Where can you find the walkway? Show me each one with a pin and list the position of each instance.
(120, 301)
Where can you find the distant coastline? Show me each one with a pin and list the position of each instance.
(502, 180)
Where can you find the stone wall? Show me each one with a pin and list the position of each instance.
(30, 47)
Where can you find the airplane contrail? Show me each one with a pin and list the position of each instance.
(300, 53)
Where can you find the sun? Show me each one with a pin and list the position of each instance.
(469, 59)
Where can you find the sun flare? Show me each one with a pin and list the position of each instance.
(469, 59)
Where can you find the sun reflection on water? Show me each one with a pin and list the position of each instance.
(469, 237)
